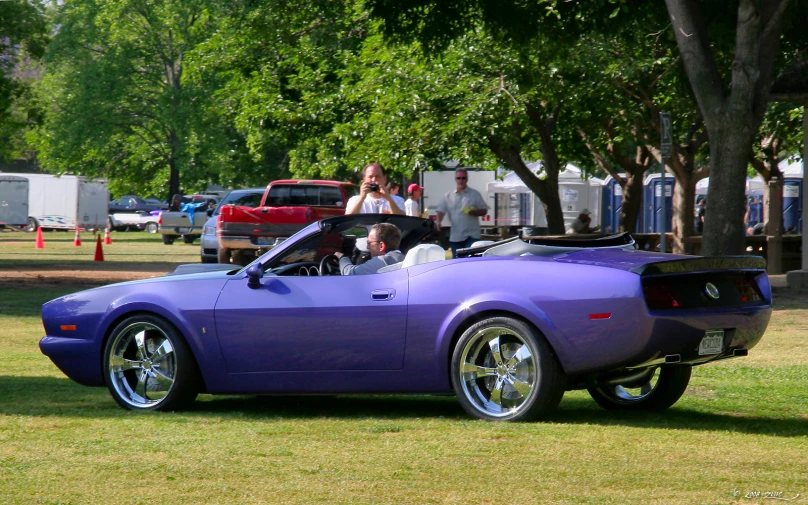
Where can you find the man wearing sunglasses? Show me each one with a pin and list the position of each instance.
(464, 206)
(383, 242)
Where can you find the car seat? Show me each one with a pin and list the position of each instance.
(421, 253)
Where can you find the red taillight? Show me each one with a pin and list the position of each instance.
(660, 296)
(747, 289)
(160, 220)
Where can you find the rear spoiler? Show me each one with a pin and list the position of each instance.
(702, 264)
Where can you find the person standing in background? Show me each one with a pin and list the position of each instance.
(412, 207)
(373, 197)
(394, 188)
(463, 206)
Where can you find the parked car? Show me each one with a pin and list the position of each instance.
(185, 217)
(508, 327)
(287, 207)
(209, 244)
(128, 221)
(135, 204)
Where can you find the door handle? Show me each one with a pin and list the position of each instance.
(380, 295)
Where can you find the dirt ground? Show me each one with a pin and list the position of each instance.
(86, 274)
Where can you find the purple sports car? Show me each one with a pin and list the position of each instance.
(508, 326)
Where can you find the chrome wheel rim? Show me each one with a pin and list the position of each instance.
(498, 372)
(628, 394)
(142, 365)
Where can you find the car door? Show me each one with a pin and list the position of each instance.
(355, 322)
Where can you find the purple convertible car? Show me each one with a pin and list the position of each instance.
(507, 327)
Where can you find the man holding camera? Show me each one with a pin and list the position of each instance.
(373, 198)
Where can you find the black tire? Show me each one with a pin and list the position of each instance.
(148, 365)
(168, 239)
(207, 259)
(504, 370)
(662, 390)
(32, 224)
(151, 227)
(224, 255)
(188, 239)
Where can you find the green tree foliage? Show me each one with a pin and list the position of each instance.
(730, 62)
(119, 103)
(22, 41)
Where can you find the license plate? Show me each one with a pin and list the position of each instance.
(712, 342)
(265, 241)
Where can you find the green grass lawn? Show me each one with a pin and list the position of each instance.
(741, 428)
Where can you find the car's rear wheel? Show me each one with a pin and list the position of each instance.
(223, 255)
(32, 224)
(658, 392)
(188, 239)
(148, 365)
(168, 239)
(151, 227)
(504, 370)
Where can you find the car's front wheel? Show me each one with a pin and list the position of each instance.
(661, 389)
(148, 365)
(504, 370)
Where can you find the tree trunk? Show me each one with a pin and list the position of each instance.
(632, 201)
(545, 189)
(724, 231)
(731, 118)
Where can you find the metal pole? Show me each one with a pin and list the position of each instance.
(664, 212)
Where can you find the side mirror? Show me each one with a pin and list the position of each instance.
(254, 275)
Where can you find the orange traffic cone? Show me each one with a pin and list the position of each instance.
(40, 243)
(99, 251)
(77, 240)
(107, 238)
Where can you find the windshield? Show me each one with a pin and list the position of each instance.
(250, 198)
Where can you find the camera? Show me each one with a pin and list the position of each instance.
(373, 187)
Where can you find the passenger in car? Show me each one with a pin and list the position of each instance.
(383, 242)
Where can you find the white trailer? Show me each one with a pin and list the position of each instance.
(13, 200)
(65, 202)
(437, 183)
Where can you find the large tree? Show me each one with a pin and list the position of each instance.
(730, 62)
(118, 100)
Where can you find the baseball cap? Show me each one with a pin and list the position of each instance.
(413, 187)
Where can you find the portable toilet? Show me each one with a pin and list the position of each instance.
(653, 201)
(754, 201)
(578, 194)
(612, 205)
(792, 197)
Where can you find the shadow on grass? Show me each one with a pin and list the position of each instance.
(50, 396)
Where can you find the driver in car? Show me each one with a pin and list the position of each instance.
(383, 242)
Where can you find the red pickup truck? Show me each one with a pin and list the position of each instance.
(287, 206)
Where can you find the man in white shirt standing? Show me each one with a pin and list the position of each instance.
(373, 197)
(411, 206)
(464, 206)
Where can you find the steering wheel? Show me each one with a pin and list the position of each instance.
(326, 267)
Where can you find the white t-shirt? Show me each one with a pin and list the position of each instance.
(412, 207)
(370, 205)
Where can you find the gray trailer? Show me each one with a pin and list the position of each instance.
(13, 200)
